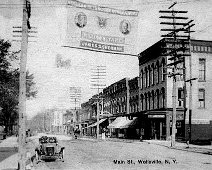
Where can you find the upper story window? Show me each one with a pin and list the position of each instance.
(147, 77)
(153, 100)
(201, 49)
(150, 76)
(180, 97)
(158, 72)
(201, 97)
(202, 69)
(141, 79)
(163, 69)
(157, 98)
(153, 74)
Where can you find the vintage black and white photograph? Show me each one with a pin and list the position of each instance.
(105, 84)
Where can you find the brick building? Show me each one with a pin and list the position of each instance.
(155, 92)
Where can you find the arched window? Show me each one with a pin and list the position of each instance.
(163, 96)
(149, 100)
(163, 69)
(144, 78)
(153, 100)
(142, 102)
(147, 77)
(146, 103)
(157, 99)
(130, 108)
(153, 74)
(158, 72)
(150, 75)
(141, 79)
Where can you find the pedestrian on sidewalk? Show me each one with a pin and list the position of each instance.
(76, 133)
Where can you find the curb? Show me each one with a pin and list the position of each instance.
(182, 149)
(131, 141)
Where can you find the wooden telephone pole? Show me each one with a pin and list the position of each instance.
(22, 86)
(177, 48)
(75, 97)
(98, 76)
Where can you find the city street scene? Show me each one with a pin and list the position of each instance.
(90, 84)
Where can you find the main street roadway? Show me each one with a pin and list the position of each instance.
(81, 154)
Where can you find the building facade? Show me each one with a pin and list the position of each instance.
(156, 87)
(201, 91)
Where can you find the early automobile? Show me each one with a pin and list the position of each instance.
(49, 149)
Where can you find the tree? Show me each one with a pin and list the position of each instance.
(9, 85)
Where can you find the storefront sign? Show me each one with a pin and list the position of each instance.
(199, 121)
(179, 116)
(156, 116)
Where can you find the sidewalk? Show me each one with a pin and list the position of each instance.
(203, 149)
(11, 163)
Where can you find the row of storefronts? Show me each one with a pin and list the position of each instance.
(142, 107)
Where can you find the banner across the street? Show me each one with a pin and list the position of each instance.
(101, 28)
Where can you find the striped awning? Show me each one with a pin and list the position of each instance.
(95, 124)
(122, 123)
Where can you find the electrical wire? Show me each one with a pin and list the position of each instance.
(37, 5)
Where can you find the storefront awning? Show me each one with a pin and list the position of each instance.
(95, 124)
(122, 122)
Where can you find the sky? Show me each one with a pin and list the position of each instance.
(53, 83)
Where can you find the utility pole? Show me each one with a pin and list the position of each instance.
(98, 76)
(75, 97)
(22, 86)
(177, 47)
(190, 86)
